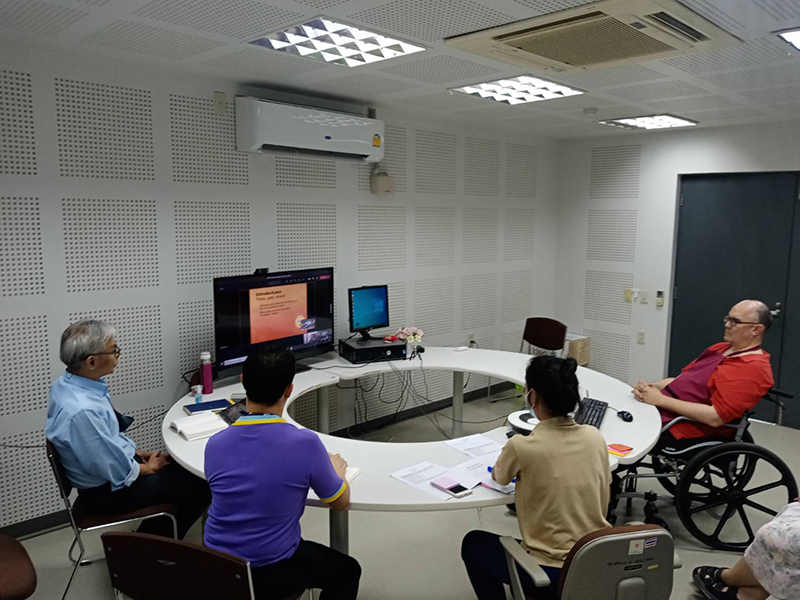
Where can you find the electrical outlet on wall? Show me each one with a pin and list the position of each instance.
(644, 296)
(640, 337)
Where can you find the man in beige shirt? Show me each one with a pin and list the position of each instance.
(562, 490)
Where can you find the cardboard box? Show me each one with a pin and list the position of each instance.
(578, 347)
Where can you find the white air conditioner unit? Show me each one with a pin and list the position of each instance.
(264, 126)
(598, 35)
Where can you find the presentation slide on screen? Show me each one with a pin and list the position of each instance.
(279, 312)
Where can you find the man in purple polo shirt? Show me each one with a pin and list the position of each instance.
(260, 470)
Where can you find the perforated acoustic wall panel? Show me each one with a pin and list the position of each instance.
(517, 295)
(433, 305)
(21, 258)
(520, 224)
(511, 341)
(306, 235)
(609, 353)
(612, 235)
(481, 167)
(615, 172)
(27, 485)
(478, 300)
(604, 297)
(146, 427)
(382, 237)
(104, 131)
(17, 143)
(434, 236)
(480, 235)
(126, 230)
(395, 156)
(364, 172)
(305, 173)
(204, 143)
(435, 163)
(195, 332)
(212, 239)
(522, 167)
(140, 336)
(23, 343)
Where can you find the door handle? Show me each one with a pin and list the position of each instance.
(776, 311)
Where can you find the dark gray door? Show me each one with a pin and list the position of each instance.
(734, 242)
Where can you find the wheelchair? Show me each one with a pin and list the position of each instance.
(723, 490)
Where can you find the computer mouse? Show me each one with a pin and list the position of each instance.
(625, 416)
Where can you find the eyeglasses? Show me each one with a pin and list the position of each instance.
(116, 352)
(733, 321)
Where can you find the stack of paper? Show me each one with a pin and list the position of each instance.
(475, 445)
(198, 427)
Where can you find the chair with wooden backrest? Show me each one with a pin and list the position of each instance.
(547, 334)
(81, 519)
(17, 575)
(150, 567)
(634, 562)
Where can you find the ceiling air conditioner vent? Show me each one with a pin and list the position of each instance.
(603, 34)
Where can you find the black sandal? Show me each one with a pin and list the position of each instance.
(708, 581)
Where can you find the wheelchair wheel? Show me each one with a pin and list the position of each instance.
(663, 464)
(725, 493)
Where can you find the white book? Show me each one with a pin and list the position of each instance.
(198, 427)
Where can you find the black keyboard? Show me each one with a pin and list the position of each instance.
(591, 412)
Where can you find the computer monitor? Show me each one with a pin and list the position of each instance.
(369, 308)
(290, 310)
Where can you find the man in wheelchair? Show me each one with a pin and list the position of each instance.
(720, 386)
(699, 458)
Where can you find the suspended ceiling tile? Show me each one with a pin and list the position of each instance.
(364, 86)
(153, 41)
(649, 92)
(241, 19)
(431, 20)
(322, 4)
(701, 103)
(724, 114)
(789, 93)
(546, 7)
(444, 101)
(600, 78)
(762, 77)
(779, 9)
(752, 53)
(715, 11)
(574, 103)
(267, 64)
(32, 16)
(442, 69)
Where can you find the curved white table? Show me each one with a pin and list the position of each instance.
(374, 489)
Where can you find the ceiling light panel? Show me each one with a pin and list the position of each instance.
(649, 122)
(519, 90)
(336, 43)
(793, 37)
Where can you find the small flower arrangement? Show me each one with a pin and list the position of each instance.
(410, 335)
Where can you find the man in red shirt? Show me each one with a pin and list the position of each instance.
(719, 386)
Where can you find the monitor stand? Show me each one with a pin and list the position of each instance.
(365, 336)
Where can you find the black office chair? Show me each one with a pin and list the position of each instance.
(151, 567)
(543, 335)
(17, 575)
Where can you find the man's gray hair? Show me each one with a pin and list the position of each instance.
(763, 315)
(84, 338)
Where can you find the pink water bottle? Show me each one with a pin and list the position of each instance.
(206, 376)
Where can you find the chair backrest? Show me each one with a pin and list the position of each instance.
(17, 575)
(544, 333)
(64, 486)
(151, 567)
(620, 563)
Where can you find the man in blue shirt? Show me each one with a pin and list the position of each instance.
(260, 470)
(111, 475)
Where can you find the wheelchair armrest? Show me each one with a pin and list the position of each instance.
(677, 563)
(525, 561)
(675, 421)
